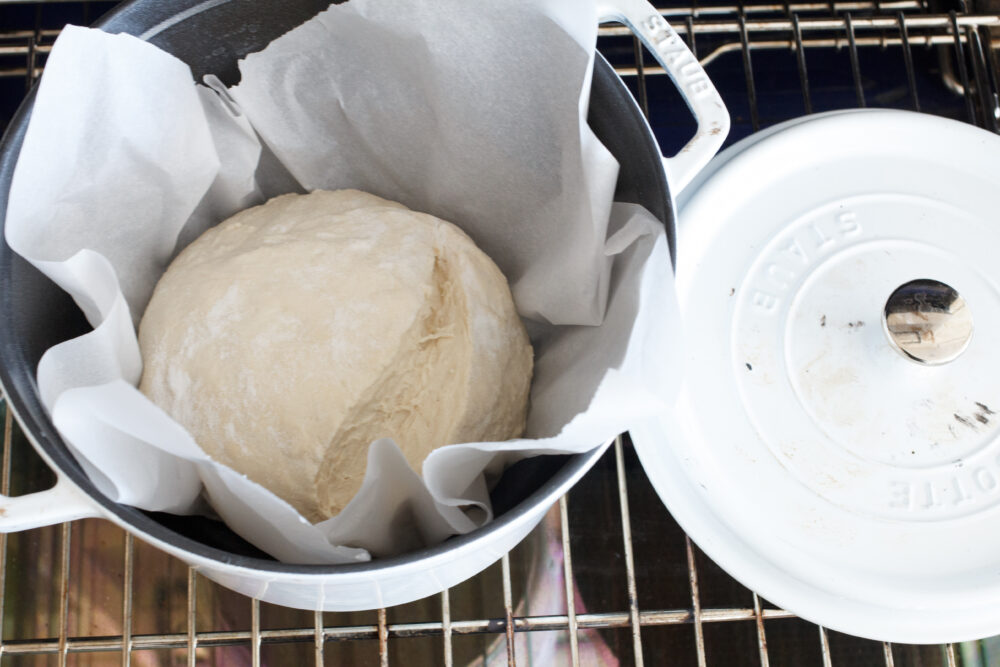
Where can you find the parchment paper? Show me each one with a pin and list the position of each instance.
(472, 112)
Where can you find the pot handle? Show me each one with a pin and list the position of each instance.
(687, 74)
(63, 502)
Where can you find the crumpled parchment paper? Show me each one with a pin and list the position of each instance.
(473, 112)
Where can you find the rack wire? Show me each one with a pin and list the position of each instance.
(608, 578)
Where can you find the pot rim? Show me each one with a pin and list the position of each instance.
(38, 429)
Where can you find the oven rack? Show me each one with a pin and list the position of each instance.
(31, 46)
(943, 59)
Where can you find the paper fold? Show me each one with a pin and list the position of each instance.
(126, 160)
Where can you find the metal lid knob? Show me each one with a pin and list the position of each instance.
(928, 322)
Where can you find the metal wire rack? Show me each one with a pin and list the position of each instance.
(608, 578)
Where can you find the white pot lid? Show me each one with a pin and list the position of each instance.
(808, 454)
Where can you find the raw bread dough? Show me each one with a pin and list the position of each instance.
(292, 335)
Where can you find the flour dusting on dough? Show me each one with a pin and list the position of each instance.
(289, 337)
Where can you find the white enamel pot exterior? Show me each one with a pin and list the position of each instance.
(36, 315)
(809, 455)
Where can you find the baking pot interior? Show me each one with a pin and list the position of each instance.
(211, 36)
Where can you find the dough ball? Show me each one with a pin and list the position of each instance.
(292, 335)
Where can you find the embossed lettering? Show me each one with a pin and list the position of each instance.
(847, 223)
(655, 22)
(970, 487)
(985, 480)
(793, 248)
(679, 57)
(821, 238)
(781, 275)
(691, 70)
(789, 257)
(700, 86)
(930, 496)
(960, 495)
(673, 51)
(900, 495)
(764, 301)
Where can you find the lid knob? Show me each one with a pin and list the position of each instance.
(927, 321)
